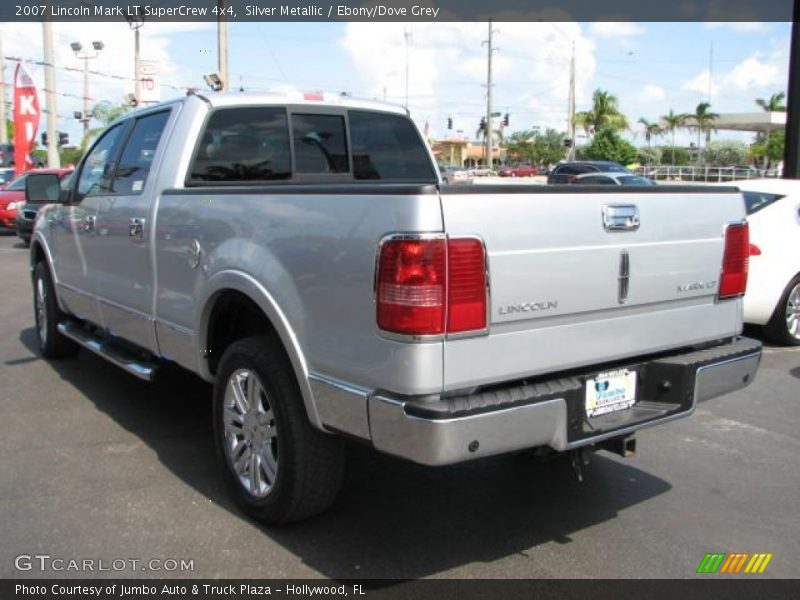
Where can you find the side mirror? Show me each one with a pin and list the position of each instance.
(42, 188)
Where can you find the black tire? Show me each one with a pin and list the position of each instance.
(309, 464)
(51, 343)
(777, 329)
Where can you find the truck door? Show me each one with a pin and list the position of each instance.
(123, 223)
(74, 231)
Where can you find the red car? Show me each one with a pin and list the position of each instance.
(12, 196)
(518, 171)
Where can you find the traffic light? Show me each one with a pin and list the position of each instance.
(482, 125)
(449, 122)
(44, 138)
(505, 120)
(567, 143)
(63, 138)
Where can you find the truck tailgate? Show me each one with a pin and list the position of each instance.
(569, 290)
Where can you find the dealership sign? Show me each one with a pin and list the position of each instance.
(26, 118)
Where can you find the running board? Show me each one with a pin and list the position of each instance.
(113, 354)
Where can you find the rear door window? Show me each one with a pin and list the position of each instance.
(320, 144)
(137, 156)
(243, 145)
(755, 201)
(388, 147)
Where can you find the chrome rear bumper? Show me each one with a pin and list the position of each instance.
(550, 413)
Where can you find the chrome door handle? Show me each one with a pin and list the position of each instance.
(136, 229)
(89, 223)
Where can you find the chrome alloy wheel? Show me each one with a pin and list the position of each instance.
(41, 311)
(793, 312)
(251, 438)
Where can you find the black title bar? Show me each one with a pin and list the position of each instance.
(396, 10)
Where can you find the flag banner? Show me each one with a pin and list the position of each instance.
(26, 118)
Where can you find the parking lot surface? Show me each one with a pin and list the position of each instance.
(96, 464)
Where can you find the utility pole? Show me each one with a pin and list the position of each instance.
(53, 160)
(571, 107)
(710, 70)
(3, 128)
(791, 156)
(488, 132)
(222, 45)
(407, 37)
(135, 22)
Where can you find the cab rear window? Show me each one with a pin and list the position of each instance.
(756, 201)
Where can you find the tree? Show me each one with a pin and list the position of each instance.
(607, 144)
(604, 114)
(536, 147)
(650, 156)
(651, 130)
(726, 153)
(704, 121)
(106, 113)
(673, 121)
(774, 104)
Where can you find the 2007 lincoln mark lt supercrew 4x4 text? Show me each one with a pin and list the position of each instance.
(301, 254)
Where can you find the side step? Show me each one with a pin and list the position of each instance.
(114, 354)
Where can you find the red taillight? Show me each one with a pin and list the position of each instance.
(466, 285)
(755, 250)
(411, 286)
(430, 287)
(733, 281)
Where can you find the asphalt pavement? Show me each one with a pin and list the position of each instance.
(97, 465)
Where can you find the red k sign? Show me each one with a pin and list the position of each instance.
(26, 118)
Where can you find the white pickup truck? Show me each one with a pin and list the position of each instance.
(301, 254)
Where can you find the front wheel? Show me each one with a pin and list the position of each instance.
(282, 469)
(47, 314)
(784, 326)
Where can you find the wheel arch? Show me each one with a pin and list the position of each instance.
(230, 291)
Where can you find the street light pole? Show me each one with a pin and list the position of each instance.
(77, 48)
(488, 132)
(222, 46)
(135, 22)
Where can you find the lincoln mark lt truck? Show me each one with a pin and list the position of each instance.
(301, 253)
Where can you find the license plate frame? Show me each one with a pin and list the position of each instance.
(610, 392)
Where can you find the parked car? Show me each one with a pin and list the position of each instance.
(773, 292)
(566, 172)
(12, 196)
(6, 175)
(26, 214)
(612, 179)
(518, 171)
(7, 157)
(481, 171)
(299, 255)
(454, 174)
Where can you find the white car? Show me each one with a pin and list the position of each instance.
(612, 179)
(773, 288)
(454, 174)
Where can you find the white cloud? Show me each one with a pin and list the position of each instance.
(612, 29)
(447, 70)
(739, 26)
(754, 73)
(652, 92)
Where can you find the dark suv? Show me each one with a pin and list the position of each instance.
(566, 172)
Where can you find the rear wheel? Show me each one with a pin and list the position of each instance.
(282, 469)
(47, 314)
(784, 326)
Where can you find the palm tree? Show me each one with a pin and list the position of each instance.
(673, 121)
(704, 122)
(774, 104)
(604, 113)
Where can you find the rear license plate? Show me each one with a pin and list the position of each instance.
(610, 392)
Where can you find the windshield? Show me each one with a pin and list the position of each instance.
(18, 185)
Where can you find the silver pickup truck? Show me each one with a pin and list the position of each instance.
(301, 254)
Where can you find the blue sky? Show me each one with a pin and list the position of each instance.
(651, 67)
